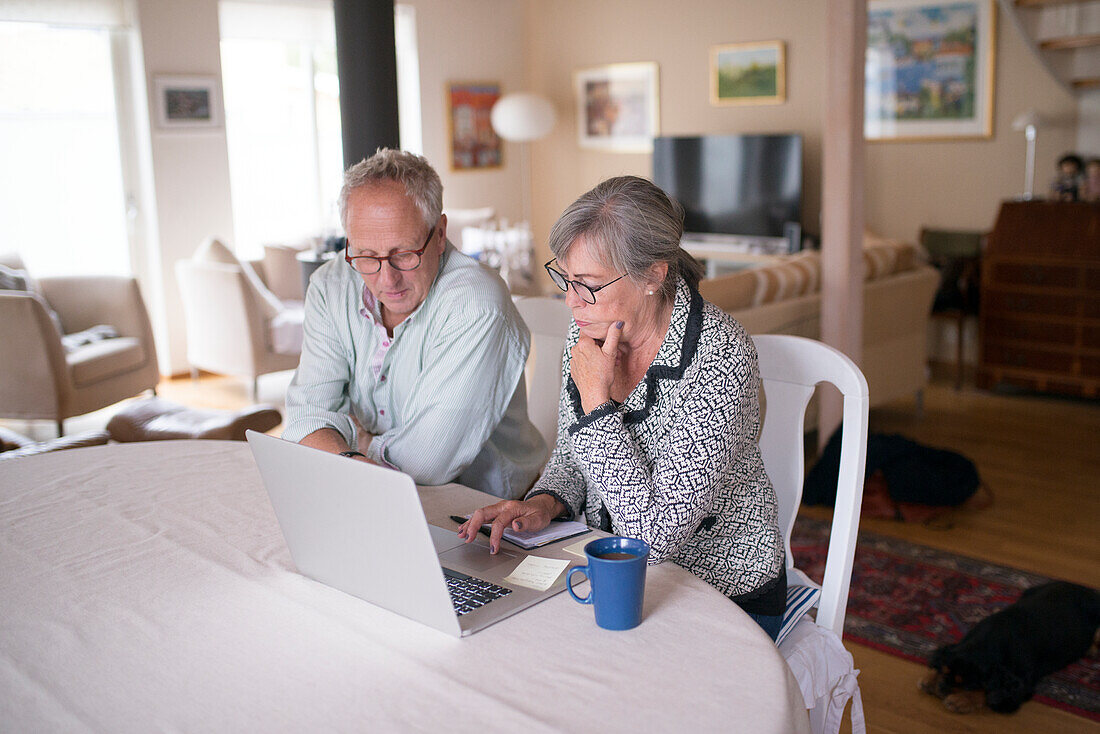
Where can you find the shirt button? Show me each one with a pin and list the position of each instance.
(385, 344)
(383, 378)
(381, 412)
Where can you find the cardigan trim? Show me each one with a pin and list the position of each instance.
(688, 347)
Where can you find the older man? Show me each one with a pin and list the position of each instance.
(413, 353)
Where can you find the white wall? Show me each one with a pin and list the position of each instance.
(190, 169)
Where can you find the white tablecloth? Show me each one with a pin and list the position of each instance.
(146, 587)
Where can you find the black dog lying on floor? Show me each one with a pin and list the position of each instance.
(1000, 660)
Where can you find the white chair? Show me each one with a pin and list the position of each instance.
(790, 369)
(549, 320)
(235, 325)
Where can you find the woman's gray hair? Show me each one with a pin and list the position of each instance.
(420, 180)
(630, 225)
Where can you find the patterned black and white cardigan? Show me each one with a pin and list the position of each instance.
(677, 464)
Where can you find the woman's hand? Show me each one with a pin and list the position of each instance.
(522, 516)
(592, 367)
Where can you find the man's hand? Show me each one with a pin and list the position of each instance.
(592, 367)
(522, 516)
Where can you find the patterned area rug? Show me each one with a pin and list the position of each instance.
(908, 599)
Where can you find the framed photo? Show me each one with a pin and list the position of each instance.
(474, 145)
(748, 73)
(187, 102)
(929, 70)
(618, 107)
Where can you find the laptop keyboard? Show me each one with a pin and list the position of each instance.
(469, 593)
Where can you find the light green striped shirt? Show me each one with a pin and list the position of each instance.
(444, 397)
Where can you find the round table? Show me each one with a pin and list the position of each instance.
(146, 586)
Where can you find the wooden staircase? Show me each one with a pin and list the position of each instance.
(1064, 34)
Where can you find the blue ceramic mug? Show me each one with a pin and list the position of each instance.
(616, 576)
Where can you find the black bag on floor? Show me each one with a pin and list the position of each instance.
(913, 473)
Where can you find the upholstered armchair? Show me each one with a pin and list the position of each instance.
(235, 324)
(42, 379)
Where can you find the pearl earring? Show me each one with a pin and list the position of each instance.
(651, 293)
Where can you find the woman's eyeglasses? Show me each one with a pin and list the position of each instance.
(586, 292)
(404, 260)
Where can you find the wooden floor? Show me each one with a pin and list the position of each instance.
(1040, 456)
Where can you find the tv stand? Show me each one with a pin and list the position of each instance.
(734, 251)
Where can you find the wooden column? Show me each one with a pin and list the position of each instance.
(842, 191)
(366, 61)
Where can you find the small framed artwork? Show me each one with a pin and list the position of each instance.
(187, 102)
(474, 144)
(618, 107)
(929, 69)
(748, 73)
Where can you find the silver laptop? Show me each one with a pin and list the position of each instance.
(361, 529)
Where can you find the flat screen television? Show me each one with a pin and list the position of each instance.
(733, 184)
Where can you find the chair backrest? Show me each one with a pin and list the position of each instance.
(225, 331)
(790, 369)
(549, 320)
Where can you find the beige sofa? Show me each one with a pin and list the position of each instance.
(785, 298)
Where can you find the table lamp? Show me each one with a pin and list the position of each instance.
(1028, 121)
(522, 117)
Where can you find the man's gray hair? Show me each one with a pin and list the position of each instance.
(420, 180)
(630, 225)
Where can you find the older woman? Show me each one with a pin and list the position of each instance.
(659, 414)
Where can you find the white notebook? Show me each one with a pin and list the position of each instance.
(557, 530)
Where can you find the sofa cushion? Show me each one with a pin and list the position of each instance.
(213, 250)
(887, 257)
(101, 360)
(731, 292)
(795, 276)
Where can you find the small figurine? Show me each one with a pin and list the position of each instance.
(1067, 186)
(1090, 187)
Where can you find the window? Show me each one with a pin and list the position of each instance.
(282, 118)
(62, 201)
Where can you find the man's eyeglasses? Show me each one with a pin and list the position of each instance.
(404, 260)
(586, 292)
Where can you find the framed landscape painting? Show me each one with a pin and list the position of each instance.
(474, 145)
(929, 69)
(748, 73)
(617, 107)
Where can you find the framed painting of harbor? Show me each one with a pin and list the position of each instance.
(929, 69)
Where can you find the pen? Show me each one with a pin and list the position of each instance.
(460, 519)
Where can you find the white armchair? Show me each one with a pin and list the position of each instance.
(40, 378)
(235, 325)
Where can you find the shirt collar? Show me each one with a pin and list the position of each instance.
(373, 311)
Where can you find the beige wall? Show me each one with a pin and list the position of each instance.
(949, 184)
(471, 40)
(1088, 130)
(532, 44)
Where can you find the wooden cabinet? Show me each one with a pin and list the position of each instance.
(1040, 299)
